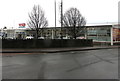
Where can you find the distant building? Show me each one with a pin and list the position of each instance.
(99, 33)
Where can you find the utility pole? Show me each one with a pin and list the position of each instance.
(61, 18)
(55, 20)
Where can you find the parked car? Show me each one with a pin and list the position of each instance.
(41, 37)
(0, 37)
(66, 37)
(9, 37)
(29, 37)
(80, 37)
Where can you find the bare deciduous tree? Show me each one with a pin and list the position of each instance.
(73, 20)
(37, 19)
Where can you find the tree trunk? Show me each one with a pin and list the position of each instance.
(74, 33)
(36, 34)
(74, 30)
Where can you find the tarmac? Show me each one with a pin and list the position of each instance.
(89, 64)
(55, 50)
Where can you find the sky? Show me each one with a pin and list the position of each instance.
(13, 12)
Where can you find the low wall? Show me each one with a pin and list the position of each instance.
(46, 43)
(105, 43)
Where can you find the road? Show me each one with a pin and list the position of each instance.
(92, 64)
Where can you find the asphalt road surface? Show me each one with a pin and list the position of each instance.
(92, 64)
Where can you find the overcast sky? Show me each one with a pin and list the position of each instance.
(13, 12)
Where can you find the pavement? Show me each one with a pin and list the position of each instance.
(92, 64)
(55, 50)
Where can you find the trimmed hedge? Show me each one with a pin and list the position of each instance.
(46, 43)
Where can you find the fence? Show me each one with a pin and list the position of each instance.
(46, 43)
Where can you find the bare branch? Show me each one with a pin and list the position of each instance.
(73, 20)
(37, 19)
